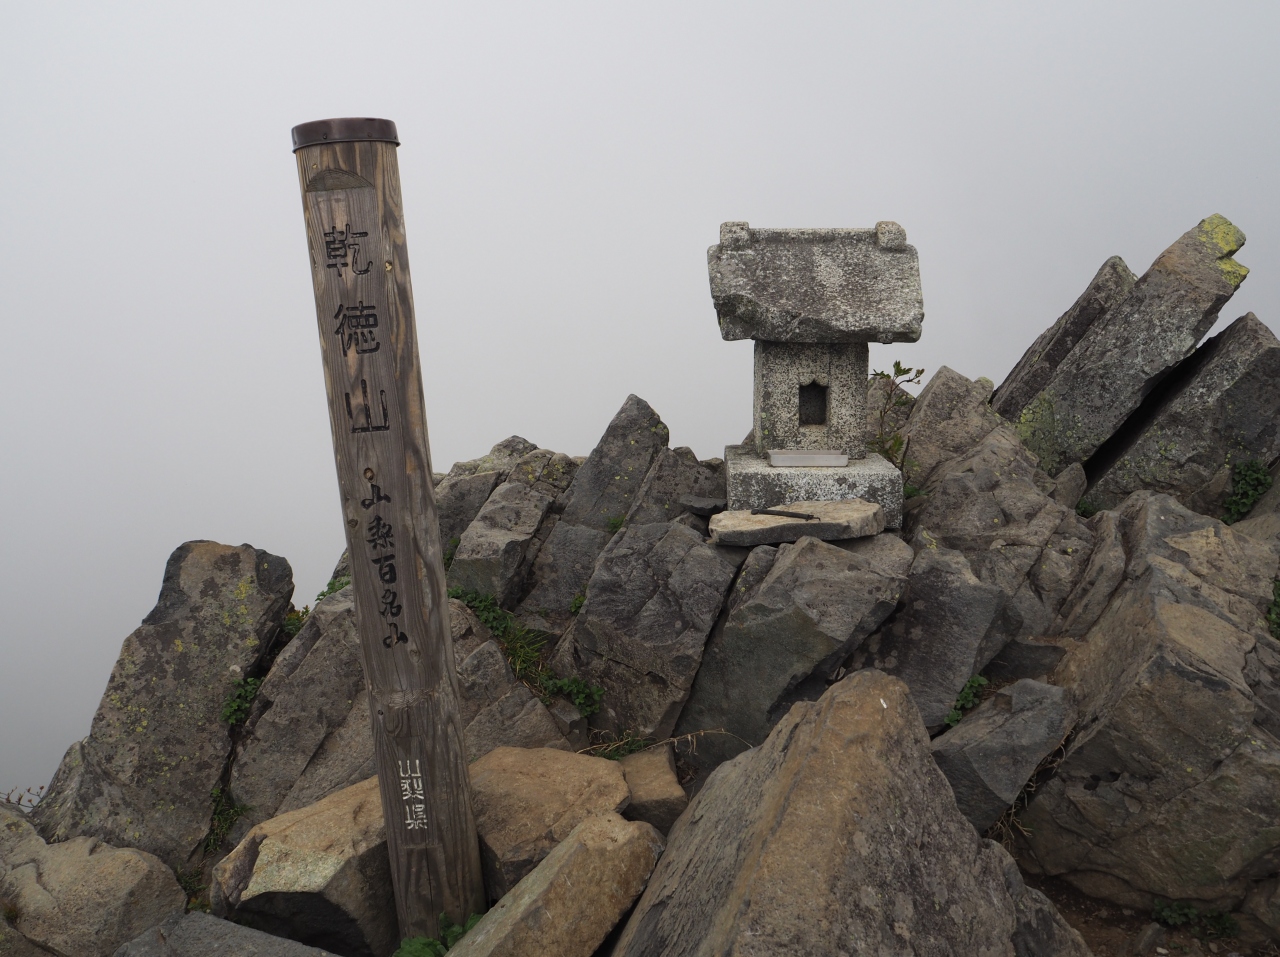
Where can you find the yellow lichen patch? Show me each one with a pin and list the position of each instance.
(1222, 233)
(177, 645)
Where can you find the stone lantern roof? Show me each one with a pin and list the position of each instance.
(816, 285)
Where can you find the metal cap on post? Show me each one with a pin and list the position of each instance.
(346, 129)
(350, 185)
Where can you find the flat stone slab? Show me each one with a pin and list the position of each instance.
(784, 457)
(816, 285)
(829, 522)
(753, 483)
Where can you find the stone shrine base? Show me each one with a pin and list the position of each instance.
(754, 483)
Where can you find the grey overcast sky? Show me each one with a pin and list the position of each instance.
(565, 167)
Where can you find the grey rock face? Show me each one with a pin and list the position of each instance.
(1131, 346)
(949, 418)
(459, 499)
(785, 639)
(1228, 412)
(599, 497)
(656, 795)
(544, 471)
(490, 558)
(79, 896)
(1112, 284)
(675, 479)
(650, 604)
(994, 751)
(158, 745)
(811, 396)
(317, 875)
(934, 640)
(200, 935)
(1171, 787)
(816, 285)
(821, 828)
(501, 458)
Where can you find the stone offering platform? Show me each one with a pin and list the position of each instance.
(754, 483)
(825, 521)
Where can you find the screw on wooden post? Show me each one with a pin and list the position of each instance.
(364, 305)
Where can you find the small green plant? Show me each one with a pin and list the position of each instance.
(1086, 509)
(294, 621)
(10, 912)
(966, 699)
(1210, 923)
(616, 748)
(910, 491)
(23, 798)
(575, 606)
(615, 524)
(190, 882)
(450, 550)
(585, 697)
(223, 818)
(1249, 482)
(888, 441)
(450, 934)
(1273, 610)
(236, 708)
(335, 585)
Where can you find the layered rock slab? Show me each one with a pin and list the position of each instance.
(490, 557)
(813, 844)
(1132, 346)
(570, 902)
(827, 521)
(651, 602)
(158, 745)
(79, 897)
(786, 635)
(201, 935)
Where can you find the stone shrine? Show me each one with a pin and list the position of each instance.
(812, 299)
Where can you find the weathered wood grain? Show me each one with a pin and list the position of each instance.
(364, 307)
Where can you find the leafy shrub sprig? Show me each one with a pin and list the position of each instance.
(450, 934)
(1249, 482)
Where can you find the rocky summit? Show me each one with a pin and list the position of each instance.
(1028, 707)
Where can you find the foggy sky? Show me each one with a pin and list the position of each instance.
(565, 167)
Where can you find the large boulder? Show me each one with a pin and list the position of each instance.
(837, 836)
(992, 754)
(656, 794)
(1133, 345)
(81, 897)
(459, 499)
(528, 800)
(319, 875)
(595, 504)
(676, 475)
(935, 639)
(1223, 408)
(568, 904)
(785, 638)
(1112, 284)
(309, 733)
(158, 746)
(490, 558)
(1170, 785)
(201, 935)
(650, 604)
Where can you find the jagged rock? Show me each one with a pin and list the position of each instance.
(79, 897)
(528, 800)
(786, 639)
(202, 935)
(568, 904)
(158, 745)
(1112, 284)
(650, 604)
(1222, 407)
(1070, 485)
(988, 506)
(812, 845)
(829, 521)
(502, 458)
(656, 794)
(544, 471)
(459, 499)
(13, 944)
(676, 475)
(309, 736)
(597, 499)
(490, 559)
(934, 640)
(1171, 785)
(1041, 930)
(991, 755)
(1128, 349)
(318, 875)
(948, 419)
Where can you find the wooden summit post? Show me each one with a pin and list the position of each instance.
(360, 270)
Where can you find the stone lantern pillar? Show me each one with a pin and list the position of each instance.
(812, 299)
